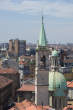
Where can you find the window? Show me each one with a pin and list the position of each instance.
(43, 61)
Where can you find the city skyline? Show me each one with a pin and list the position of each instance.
(22, 19)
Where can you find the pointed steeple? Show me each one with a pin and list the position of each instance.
(42, 41)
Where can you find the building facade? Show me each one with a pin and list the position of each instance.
(41, 70)
(17, 47)
(12, 75)
(57, 84)
(5, 92)
(50, 85)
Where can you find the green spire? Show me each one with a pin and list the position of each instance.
(42, 40)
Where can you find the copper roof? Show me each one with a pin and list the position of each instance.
(27, 87)
(8, 71)
(4, 81)
(27, 105)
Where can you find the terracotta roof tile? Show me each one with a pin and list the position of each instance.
(27, 87)
(68, 61)
(26, 105)
(29, 57)
(68, 107)
(22, 63)
(4, 81)
(8, 71)
(70, 84)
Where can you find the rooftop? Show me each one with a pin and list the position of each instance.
(8, 71)
(57, 82)
(70, 84)
(22, 63)
(4, 81)
(27, 105)
(68, 107)
(27, 87)
(29, 57)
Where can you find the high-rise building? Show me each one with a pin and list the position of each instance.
(21, 47)
(11, 45)
(17, 47)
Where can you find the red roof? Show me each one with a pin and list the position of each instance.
(68, 107)
(26, 105)
(8, 71)
(4, 81)
(28, 57)
(68, 61)
(70, 84)
(22, 62)
(27, 87)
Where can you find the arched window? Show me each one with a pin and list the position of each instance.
(43, 61)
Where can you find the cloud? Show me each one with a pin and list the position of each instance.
(57, 8)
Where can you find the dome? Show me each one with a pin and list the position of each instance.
(54, 53)
(57, 83)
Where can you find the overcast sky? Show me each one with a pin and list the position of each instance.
(22, 19)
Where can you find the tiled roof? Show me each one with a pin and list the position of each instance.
(29, 57)
(8, 71)
(4, 81)
(68, 61)
(68, 107)
(27, 87)
(26, 105)
(70, 84)
(22, 63)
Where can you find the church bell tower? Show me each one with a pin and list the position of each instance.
(42, 70)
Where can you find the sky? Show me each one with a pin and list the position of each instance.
(22, 19)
